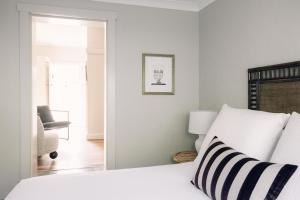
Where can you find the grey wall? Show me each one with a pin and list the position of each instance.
(150, 129)
(236, 35)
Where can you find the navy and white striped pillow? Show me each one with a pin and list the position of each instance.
(225, 173)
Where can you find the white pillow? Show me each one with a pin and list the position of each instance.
(288, 147)
(254, 133)
(225, 173)
(291, 189)
(288, 151)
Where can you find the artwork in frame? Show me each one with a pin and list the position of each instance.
(158, 74)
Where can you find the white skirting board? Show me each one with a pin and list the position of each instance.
(95, 136)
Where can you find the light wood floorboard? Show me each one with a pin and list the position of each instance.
(75, 155)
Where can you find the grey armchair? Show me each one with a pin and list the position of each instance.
(45, 114)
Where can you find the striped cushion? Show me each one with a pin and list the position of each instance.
(225, 173)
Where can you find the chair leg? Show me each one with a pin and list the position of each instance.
(68, 126)
(68, 133)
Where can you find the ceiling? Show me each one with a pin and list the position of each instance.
(188, 5)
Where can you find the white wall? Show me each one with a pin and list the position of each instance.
(9, 106)
(95, 82)
(44, 56)
(42, 80)
(150, 129)
(236, 35)
(62, 54)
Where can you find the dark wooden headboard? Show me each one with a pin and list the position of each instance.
(275, 88)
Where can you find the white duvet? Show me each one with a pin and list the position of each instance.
(149, 183)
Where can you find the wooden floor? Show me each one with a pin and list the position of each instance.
(74, 155)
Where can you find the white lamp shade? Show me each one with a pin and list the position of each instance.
(200, 121)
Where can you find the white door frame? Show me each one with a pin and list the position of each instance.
(27, 104)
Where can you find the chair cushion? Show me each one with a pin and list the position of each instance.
(56, 125)
(50, 143)
(45, 114)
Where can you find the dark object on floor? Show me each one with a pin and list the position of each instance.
(47, 119)
(53, 155)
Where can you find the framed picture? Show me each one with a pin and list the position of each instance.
(158, 74)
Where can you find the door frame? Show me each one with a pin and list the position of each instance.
(27, 75)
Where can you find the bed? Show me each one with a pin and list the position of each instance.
(252, 133)
(159, 183)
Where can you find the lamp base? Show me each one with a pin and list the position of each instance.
(198, 142)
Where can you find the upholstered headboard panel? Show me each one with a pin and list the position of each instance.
(275, 88)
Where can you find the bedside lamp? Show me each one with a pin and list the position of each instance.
(199, 123)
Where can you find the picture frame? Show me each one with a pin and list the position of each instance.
(158, 74)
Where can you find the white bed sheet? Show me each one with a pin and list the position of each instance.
(149, 183)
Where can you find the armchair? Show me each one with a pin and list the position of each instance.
(48, 122)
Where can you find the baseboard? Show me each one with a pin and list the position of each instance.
(95, 136)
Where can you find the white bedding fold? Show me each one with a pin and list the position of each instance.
(149, 183)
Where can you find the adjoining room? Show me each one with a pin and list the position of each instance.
(68, 56)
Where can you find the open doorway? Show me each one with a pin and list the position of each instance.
(68, 56)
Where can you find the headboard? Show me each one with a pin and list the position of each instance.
(275, 88)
